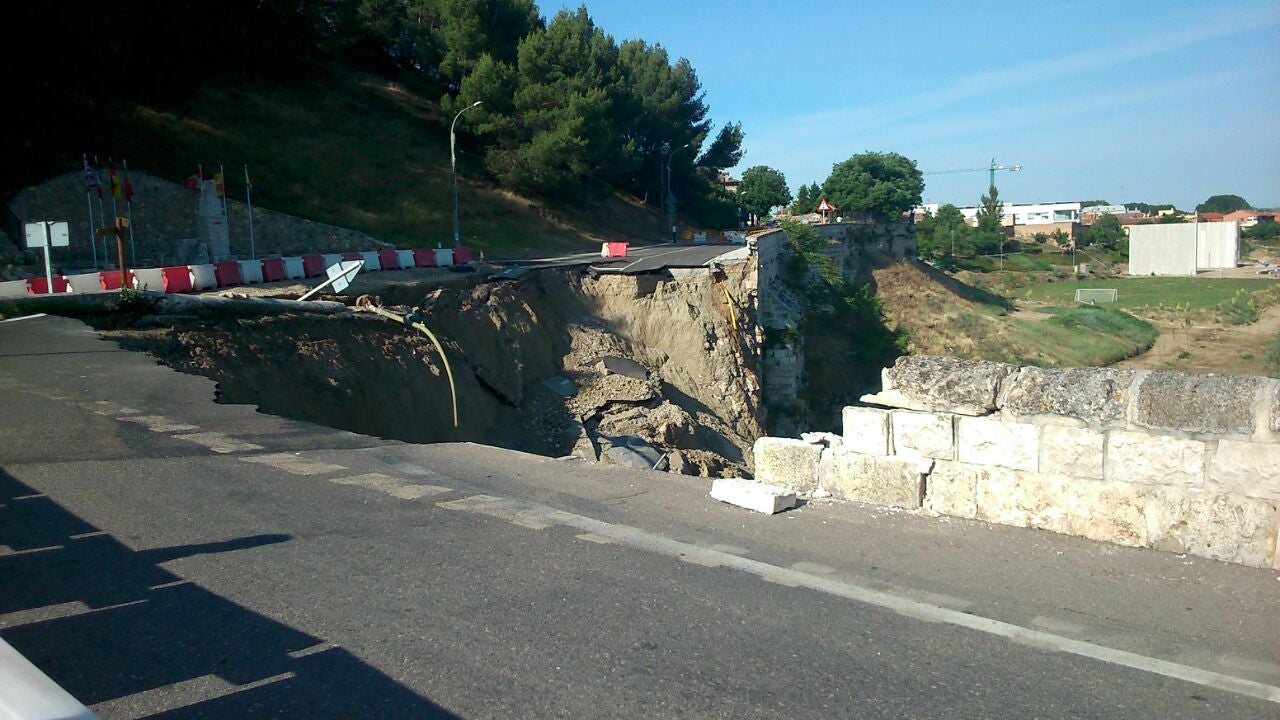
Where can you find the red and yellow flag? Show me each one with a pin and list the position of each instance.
(115, 183)
(219, 186)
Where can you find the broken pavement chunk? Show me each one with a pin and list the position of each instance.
(753, 495)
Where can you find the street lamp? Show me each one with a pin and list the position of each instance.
(671, 195)
(453, 170)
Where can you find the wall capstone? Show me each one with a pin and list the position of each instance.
(1197, 403)
(1100, 395)
(944, 384)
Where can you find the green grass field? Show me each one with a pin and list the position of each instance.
(1138, 292)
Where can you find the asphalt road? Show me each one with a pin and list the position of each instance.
(162, 555)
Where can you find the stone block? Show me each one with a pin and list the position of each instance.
(866, 430)
(1197, 403)
(898, 482)
(941, 384)
(1072, 451)
(987, 441)
(1154, 459)
(922, 434)
(951, 489)
(1109, 512)
(793, 464)
(1275, 410)
(1098, 396)
(1245, 468)
(1223, 527)
(752, 495)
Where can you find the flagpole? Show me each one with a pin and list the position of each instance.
(102, 213)
(88, 199)
(248, 201)
(226, 218)
(133, 249)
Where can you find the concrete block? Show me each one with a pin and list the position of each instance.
(1245, 468)
(1109, 512)
(793, 464)
(1094, 395)
(1197, 403)
(1225, 527)
(752, 495)
(951, 489)
(1072, 451)
(866, 430)
(942, 384)
(922, 434)
(987, 441)
(1154, 459)
(893, 481)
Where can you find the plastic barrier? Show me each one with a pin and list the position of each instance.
(294, 269)
(227, 273)
(389, 259)
(148, 279)
(350, 256)
(424, 258)
(251, 271)
(613, 249)
(83, 283)
(13, 288)
(202, 277)
(110, 279)
(313, 265)
(406, 258)
(272, 269)
(461, 255)
(40, 286)
(371, 261)
(177, 279)
(332, 259)
(444, 258)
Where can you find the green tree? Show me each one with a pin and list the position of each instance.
(466, 30)
(1106, 232)
(989, 236)
(883, 185)
(1091, 203)
(761, 189)
(945, 234)
(1223, 204)
(725, 151)
(803, 201)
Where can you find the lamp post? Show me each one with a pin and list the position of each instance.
(671, 195)
(453, 170)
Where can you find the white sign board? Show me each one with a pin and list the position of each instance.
(342, 272)
(58, 233)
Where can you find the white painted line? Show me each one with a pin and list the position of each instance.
(56, 612)
(24, 317)
(219, 443)
(392, 486)
(103, 407)
(166, 586)
(293, 464)
(317, 648)
(158, 423)
(7, 551)
(539, 517)
(90, 534)
(168, 698)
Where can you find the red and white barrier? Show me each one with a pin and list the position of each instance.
(203, 277)
(372, 263)
(83, 283)
(110, 279)
(13, 288)
(389, 259)
(293, 268)
(424, 258)
(313, 265)
(462, 255)
(148, 279)
(227, 273)
(613, 249)
(177, 279)
(406, 259)
(444, 257)
(250, 271)
(272, 269)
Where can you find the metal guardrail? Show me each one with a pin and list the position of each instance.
(28, 694)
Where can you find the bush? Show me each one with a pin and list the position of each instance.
(1271, 361)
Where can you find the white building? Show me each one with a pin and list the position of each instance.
(1019, 213)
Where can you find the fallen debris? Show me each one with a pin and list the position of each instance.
(752, 495)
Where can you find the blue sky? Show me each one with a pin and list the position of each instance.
(1122, 101)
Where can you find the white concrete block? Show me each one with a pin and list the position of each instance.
(752, 495)
(923, 434)
(787, 462)
(893, 481)
(866, 430)
(1072, 451)
(1246, 468)
(1139, 457)
(988, 441)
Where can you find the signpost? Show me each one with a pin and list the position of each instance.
(340, 275)
(119, 229)
(47, 234)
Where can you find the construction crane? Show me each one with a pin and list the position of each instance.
(991, 169)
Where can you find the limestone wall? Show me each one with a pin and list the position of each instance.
(1173, 461)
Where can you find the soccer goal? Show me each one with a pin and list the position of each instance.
(1093, 296)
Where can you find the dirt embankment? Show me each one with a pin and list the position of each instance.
(635, 370)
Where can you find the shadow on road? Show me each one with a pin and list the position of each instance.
(106, 623)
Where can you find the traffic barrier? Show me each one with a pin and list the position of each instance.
(203, 277)
(424, 258)
(83, 283)
(110, 279)
(227, 273)
(148, 279)
(13, 288)
(331, 259)
(294, 269)
(40, 286)
(406, 258)
(371, 260)
(176, 279)
(313, 265)
(250, 271)
(350, 256)
(272, 269)
(613, 249)
(444, 257)
(461, 255)
(389, 259)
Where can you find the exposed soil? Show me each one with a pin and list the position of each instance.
(1212, 347)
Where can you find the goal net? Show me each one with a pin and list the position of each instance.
(1095, 296)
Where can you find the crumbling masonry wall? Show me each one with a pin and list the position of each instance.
(1173, 461)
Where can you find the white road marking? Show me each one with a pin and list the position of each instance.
(219, 443)
(7, 551)
(392, 486)
(158, 423)
(24, 317)
(178, 695)
(293, 464)
(538, 516)
(56, 612)
(104, 407)
(317, 648)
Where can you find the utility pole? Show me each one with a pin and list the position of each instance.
(453, 170)
(671, 195)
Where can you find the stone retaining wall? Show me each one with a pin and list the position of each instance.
(1173, 461)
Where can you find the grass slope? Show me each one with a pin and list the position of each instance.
(358, 150)
(1140, 292)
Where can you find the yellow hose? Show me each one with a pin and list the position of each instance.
(733, 315)
(453, 392)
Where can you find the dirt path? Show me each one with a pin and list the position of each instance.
(1212, 348)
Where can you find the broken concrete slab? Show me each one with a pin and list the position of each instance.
(631, 451)
(753, 495)
(941, 384)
